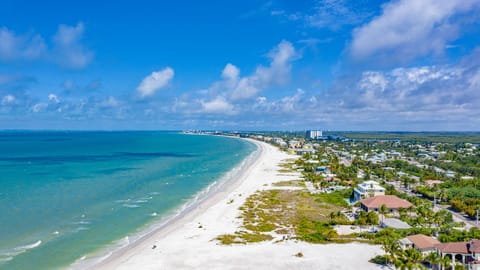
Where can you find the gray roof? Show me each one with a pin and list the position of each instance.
(395, 223)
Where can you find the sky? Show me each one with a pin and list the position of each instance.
(399, 65)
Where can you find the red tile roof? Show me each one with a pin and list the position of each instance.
(475, 246)
(453, 247)
(390, 201)
(460, 247)
(422, 241)
(433, 182)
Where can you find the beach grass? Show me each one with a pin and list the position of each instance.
(291, 183)
(292, 213)
(286, 167)
(243, 237)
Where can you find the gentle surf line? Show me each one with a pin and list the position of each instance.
(117, 248)
(9, 255)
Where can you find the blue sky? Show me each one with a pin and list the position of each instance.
(240, 65)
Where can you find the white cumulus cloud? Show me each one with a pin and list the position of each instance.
(20, 47)
(53, 98)
(110, 102)
(155, 81)
(276, 74)
(68, 50)
(234, 92)
(39, 107)
(8, 99)
(230, 72)
(410, 28)
(217, 105)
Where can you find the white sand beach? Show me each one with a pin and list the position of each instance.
(188, 242)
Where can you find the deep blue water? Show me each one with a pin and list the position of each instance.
(64, 195)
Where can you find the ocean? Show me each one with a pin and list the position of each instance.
(68, 196)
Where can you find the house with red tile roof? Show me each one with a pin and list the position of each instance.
(392, 202)
(424, 244)
(432, 182)
(466, 253)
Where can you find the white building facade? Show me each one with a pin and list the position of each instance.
(313, 134)
(368, 189)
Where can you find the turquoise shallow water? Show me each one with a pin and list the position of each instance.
(64, 195)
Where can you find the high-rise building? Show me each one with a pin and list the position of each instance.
(313, 134)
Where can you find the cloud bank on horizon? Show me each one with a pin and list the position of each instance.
(328, 64)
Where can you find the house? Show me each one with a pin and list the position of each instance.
(450, 174)
(431, 183)
(367, 189)
(303, 151)
(466, 253)
(392, 202)
(323, 169)
(360, 174)
(279, 141)
(294, 144)
(328, 176)
(379, 158)
(396, 154)
(423, 155)
(424, 244)
(308, 146)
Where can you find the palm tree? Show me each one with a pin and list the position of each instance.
(399, 264)
(442, 195)
(362, 218)
(323, 184)
(410, 209)
(391, 247)
(402, 212)
(383, 210)
(332, 216)
(372, 218)
(433, 258)
(413, 258)
(339, 215)
(445, 262)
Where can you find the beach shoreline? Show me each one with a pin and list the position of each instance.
(188, 241)
(223, 184)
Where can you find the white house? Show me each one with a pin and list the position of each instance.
(368, 189)
(294, 144)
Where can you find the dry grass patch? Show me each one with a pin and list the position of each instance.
(284, 212)
(243, 237)
(286, 167)
(291, 183)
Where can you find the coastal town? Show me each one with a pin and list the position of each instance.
(419, 199)
(240, 135)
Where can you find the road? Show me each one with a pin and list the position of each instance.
(458, 217)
